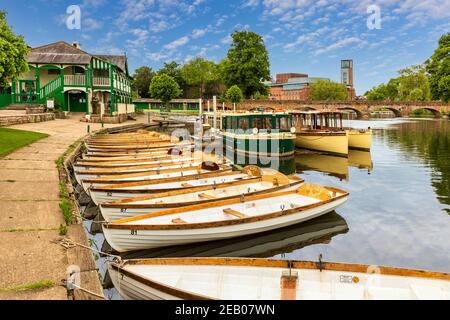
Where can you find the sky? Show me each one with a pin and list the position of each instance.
(304, 36)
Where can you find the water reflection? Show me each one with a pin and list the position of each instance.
(428, 140)
(262, 245)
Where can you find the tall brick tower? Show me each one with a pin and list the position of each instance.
(347, 72)
(347, 77)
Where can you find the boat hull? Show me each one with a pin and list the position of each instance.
(122, 240)
(335, 143)
(274, 145)
(360, 139)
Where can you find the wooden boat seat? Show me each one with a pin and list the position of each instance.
(178, 221)
(206, 196)
(235, 213)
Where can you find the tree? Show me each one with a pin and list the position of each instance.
(413, 84)
(234, 94)
(328, 90)
(376, 93)
(141, 81)
(247, 63)
(13, 53)
(198, 72)
(164, 88)
(173, 69)
(438, 68)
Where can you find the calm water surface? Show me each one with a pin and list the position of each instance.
(398, 213)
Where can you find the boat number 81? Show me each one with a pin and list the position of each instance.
(134, 232)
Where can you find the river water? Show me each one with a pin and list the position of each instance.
(398, 213)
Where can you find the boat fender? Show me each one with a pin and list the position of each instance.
(210, 166)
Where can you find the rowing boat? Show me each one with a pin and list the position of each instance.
(223, 218)
(109, 191)
(263, 279)
(262, 245)
(136, 163)
(157, 154)
(153, 175)
(126, 153)
(158, 166)
(132, 207)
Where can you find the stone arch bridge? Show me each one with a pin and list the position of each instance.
(361, 108)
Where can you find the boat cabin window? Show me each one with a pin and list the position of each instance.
(283, 123)
(243, 124)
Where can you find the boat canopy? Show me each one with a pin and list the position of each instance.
(264, 122)
(318, 120)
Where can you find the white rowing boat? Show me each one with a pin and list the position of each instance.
(132, 207)
(102, 192)
(223, 219)
(127, 153)
(147, 168)
(82, 165)
(154, 175)
(262, 279)
(262, 245)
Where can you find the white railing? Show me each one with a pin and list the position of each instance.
(75, 80)
(123, 108)
(102, 82)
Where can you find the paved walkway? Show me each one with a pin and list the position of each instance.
(29, 211)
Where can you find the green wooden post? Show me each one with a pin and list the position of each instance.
(86, 79)
(38, 84)
(13, 91)
(64, 107)
(111, 77)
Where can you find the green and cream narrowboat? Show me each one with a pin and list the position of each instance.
(260, 134)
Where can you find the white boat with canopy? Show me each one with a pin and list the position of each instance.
(223, 218)
(263, 279)
(131, 207)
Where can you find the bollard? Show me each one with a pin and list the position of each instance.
(88, 128)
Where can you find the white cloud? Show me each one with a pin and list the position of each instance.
(339, 44)
(177, 43)
(198, 33)
(90, 24)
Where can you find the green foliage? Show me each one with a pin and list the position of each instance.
(12, 139)
(411, 85)
(259, 96)
(438, 68)
(198, 72)
(13, 52)
(30, 286)
(234, 94)
(328, 90)
(141, 81)
(173, 69)
(164, 88)
(62, 229)
(247, 63)
(67, 210)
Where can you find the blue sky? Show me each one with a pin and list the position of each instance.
(306, 36)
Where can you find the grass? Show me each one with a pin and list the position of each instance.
(12, 139)
(30, 286)
(62, 230)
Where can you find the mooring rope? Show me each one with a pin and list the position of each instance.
(87, 291)
(68, 244)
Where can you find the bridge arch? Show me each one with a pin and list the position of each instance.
(359, 114)
(394, 110)
(436, 113)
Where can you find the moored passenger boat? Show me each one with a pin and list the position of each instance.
(320, 131)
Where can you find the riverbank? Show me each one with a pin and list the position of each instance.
(34, 264)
